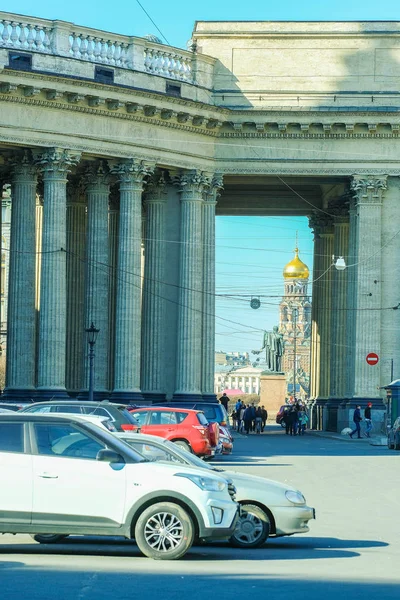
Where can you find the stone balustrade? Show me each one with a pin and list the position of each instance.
(67, 39)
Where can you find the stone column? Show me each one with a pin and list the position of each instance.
(351, 298)
(97, 182)
(21, 330)
(208, 327)
(76, 260)
(113, 216)
(369, 192)
(54, 164)
(131, 174)
(154, 313)
(189, 352)
(390, 319)
(339, 347)
(321, 223)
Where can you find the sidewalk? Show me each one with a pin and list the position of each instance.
(375, 440)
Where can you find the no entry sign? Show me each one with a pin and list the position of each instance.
(372, 358)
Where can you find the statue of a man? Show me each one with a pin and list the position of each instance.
(274, 346)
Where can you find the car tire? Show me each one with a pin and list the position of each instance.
(180, 529)
(253, 527)
(283, 424)
(184, 445)
(48, 538)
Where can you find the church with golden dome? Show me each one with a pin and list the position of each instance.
(295, 326)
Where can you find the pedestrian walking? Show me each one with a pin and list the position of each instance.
(368, 419)
(264, 417)
(357, 420)
(248, 419)
(258, 419)
(241, 419)
(303, 420)
(234, 417)
(293, 419)
(253, 417)
(224, 401)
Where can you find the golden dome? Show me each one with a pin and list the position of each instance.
(296, 269)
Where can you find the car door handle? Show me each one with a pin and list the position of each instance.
(48, 475)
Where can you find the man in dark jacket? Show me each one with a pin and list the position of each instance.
(357, 420)
(368, 419)
(264, 416)
(224, 401)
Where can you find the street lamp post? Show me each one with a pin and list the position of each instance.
(294, 317)
(91, 338)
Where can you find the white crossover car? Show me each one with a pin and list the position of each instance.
(267, 507)
(60, 475)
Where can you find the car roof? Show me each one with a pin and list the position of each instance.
(77, 403)
(24, 416)
(167, 408)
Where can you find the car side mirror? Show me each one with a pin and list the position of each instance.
(110, 456)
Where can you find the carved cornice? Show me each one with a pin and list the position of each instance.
(369, 189)
(267, 124)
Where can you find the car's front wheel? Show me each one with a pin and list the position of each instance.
(48, 538)
(283, 424)
(164, 531)
(253, 527)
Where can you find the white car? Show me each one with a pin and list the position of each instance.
(61, 475)
(267, 507)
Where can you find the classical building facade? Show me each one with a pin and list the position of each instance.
(120, 151)
(246, 379)
(295, 325)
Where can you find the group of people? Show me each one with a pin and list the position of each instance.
(296, 419)
(248, 418)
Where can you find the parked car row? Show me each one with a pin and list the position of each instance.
(63, 475)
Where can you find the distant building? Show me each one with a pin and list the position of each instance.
(246, 379)
(295, 325)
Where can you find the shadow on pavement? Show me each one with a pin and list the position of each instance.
(124, 581)
(303, 548)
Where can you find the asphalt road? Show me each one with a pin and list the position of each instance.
(352, 549)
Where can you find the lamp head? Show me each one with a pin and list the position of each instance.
(92, 334)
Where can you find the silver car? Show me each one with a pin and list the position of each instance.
(267, 507)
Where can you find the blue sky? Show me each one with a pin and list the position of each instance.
(176, 18)
(251, 252)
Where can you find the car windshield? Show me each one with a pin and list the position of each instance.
(187, 457)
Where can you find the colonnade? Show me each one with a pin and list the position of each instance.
(354, 311)
(78, 260)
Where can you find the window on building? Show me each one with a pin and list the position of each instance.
(18, 60)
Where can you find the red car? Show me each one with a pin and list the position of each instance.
(187, 428)
(280, 415)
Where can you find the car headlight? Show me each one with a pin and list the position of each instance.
(295, 497)
(205, 483)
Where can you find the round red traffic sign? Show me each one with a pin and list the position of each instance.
(372, 358)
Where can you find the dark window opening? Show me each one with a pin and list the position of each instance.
(173, 89)
(103, 75)
(16, 60)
